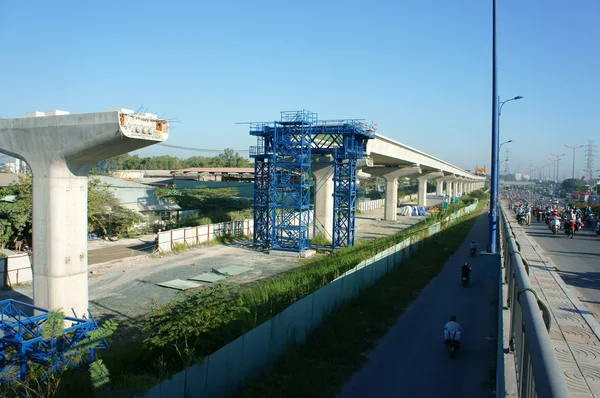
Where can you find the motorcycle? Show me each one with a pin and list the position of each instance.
(570, 229)
(521, 219)
(472, 251)
(598, 228)
(464, 280)
(555, 226)
(452, 342)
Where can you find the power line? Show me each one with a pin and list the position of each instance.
(187, 148)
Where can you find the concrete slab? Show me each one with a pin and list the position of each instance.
(233, 270)
(209, 277)
(180, 284)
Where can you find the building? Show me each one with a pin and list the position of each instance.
(217, 174)
(141, 198)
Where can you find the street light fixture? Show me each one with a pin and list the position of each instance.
(574, 148)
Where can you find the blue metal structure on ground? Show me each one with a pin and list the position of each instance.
(23, 339)
(283, 171)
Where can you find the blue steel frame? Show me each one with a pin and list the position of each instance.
(22, 340)
(282, 168)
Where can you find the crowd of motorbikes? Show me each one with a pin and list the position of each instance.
(570, 220)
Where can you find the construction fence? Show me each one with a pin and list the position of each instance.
(15, 269)
(193, 236)
(226, 370)
(371, 204)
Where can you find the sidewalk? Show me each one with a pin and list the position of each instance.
(411, 360)
(574, 332)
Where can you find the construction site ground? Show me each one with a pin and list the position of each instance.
(125, 284)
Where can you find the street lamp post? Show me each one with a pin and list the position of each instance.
(574, 148)
(494, 180)
(557, 160)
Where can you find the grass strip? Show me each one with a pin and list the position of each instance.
(334, 351)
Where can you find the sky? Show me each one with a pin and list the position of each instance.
(421, 70)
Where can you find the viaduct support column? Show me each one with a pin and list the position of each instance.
(422, 195)
(391, 175)
(323, 217)
(61, 149)
(439, 189)
(448, 179)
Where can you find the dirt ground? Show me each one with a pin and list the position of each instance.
(126, 286)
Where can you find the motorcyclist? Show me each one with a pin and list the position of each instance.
(452, 331)
(473, 245)
(465, 270)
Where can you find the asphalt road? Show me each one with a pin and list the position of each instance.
(116, 252)
(411, 360)
(577, 259)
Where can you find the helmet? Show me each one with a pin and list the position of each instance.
(453, 318)
(473, 241)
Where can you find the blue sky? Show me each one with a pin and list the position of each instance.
(420, 69)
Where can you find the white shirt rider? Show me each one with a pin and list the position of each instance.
(453, 326)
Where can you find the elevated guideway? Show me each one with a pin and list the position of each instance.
(391, 160)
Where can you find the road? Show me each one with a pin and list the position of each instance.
(115, 252)
(411, 361)
(577, 259)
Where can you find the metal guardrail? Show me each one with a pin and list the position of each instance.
(536, 365)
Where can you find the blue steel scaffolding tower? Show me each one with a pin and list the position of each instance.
(283, 171)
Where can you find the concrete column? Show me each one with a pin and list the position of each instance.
(391, 197)
(323, 212)
(60, 237)
(450, 185)
(422, 196)
(439, 189)
(391, 175)
(60, 150)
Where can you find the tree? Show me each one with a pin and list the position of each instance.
(15, 216)
(567, 184)
(105, 213)
(228, 158)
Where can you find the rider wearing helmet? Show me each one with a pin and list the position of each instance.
(473, 244)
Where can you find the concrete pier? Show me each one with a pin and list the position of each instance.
(323, 216)
(60, 150)
(391, 175)
(422, 186)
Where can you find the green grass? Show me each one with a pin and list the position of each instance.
(335, 351)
